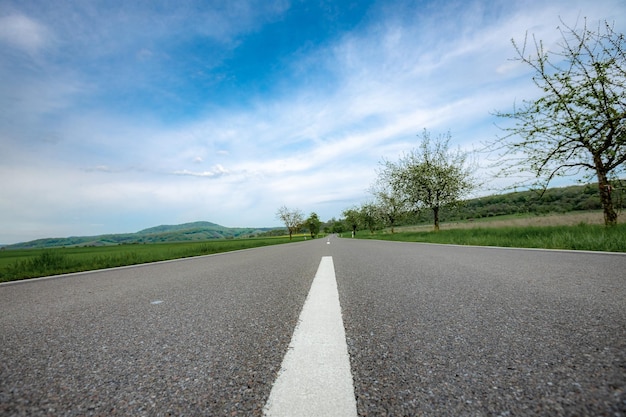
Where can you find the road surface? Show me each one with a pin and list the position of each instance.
(429, 329)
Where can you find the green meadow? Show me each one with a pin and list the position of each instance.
(592, 237)
(546, 232)
(31, 263)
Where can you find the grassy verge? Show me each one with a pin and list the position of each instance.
(21, 264)
(579, 237)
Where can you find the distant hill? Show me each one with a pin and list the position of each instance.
(187, 232)
(184, 226)
(553, 200)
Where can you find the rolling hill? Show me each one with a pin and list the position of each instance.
(187, 232)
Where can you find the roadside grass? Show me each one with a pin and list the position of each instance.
(582, 236)
(31, 263)
(520, 220)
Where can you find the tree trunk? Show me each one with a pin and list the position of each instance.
(610, 216)
(436, 215)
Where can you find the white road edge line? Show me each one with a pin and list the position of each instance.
(315, 377)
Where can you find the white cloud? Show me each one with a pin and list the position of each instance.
(314, 146)
(24, 33)
(216, 171)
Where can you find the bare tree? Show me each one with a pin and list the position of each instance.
(293, 219)
(578, 125)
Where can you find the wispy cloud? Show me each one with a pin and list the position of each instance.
(23, 33)
(217, 171)
(113, 125)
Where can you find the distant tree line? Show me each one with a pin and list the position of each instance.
(294, 221)
(370, 217)
(552, 200)
(576, 127)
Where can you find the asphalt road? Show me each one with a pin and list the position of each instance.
(431, 330)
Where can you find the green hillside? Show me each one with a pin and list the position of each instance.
(181, 227)
(553, 200)
(188, 232)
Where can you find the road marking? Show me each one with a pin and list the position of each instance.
(315, 377)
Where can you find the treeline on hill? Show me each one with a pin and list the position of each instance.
(553, 200)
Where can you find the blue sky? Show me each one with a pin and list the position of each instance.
(116, 116)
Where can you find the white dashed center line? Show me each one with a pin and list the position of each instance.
(315, 377)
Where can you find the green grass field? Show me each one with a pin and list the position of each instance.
(583, 236)
(548, 232)
(21, 264)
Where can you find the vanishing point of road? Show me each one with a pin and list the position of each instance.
(428, 330)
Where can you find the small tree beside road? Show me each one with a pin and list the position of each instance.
(389, 201)
(430, 176)
(293, 219)
(352, 218)
(313, 224)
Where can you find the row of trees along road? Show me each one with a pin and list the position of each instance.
(294, 221)
(577, 126)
